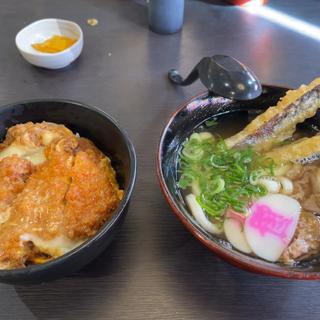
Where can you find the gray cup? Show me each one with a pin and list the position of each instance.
(166, 16)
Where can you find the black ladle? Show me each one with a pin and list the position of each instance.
(224, 76)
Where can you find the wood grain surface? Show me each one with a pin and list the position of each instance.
(155, 269)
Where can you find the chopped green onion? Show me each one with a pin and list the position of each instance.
(210, 123)
(255, 175)
(186, 179)
(195, 136)
(224, 177)
(192, 153)
(216, 186)
(214, 163)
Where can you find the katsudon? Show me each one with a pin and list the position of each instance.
(56, 190)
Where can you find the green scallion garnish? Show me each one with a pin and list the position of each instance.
(210, 123)
(227, 178)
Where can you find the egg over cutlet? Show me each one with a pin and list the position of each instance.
(56, 190)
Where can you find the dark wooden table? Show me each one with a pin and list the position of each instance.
(155, 269)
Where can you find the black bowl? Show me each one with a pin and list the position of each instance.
(183, 122)
(104, 131)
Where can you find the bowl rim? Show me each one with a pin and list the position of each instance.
(235, 258)
(115, 215)
(46, 54)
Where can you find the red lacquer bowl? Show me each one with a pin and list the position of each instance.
(181, 124)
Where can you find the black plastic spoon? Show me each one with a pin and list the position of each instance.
(224, 76)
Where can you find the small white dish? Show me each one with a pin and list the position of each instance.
(41, 30)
